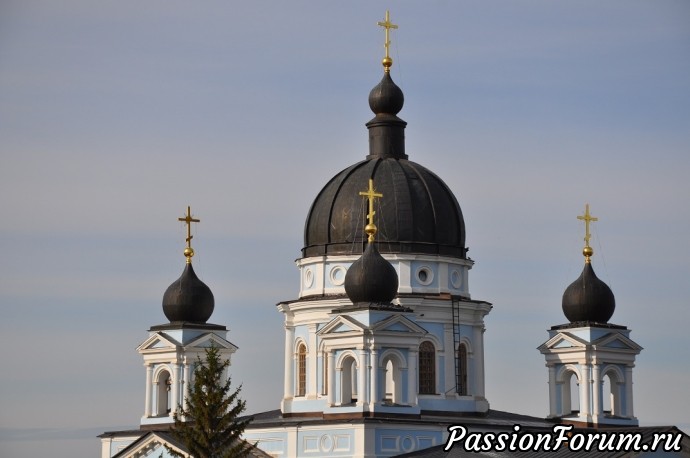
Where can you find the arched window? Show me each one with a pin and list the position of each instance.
(612, 393)
(163, 394)
(461, 370)
(427, 368)
(392, 380)
(568, 391)
(348, 381)
(301, 370)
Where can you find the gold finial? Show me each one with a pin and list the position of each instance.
(587, 251)
(189, 251)
(387, 24)
(371, 194)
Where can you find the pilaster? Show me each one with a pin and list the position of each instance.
(288, 390)
(597, 394)
(311, 364)
(412, 376)
(374, 396)
(629, 411)
(149, 388)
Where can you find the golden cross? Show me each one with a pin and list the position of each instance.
(371, 194)
(587, 218)
(387, 24)
(189, 251)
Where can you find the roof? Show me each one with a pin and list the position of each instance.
(151, 440)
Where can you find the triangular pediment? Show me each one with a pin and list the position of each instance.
(563, 340)
(398, 323)
(343, 327)
(341, 324)
(151, 444)
(209, 340)
(158, 341)
(616, 341)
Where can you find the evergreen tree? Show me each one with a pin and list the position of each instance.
(210, 428)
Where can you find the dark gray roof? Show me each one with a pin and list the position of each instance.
(493, 419)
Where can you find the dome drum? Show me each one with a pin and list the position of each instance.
(387, 137)
(417, 274)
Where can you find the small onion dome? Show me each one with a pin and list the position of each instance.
(188, 299)
(371, 279)
(588, 299)
(386, 97)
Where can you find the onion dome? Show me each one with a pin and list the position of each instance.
(420, 214)
(371, 279)
(588, 299)
(188, 299)
(386, 97)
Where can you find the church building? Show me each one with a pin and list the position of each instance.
(384, 344)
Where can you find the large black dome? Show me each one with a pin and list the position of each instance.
(418, 213)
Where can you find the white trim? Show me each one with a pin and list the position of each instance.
(394, 352)
(343, 355)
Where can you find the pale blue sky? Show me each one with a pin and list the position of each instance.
(116, 115)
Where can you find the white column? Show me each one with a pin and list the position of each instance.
(597, 393)
(289, 391)
(478, 361)
(374, 396)
(311, 364)
(585, 392)
(331, 379)
(186, 381)
(483, 378)
(412, 376)
(149, 387)
(339, 394)
(175, 394)
(155, 393)
(449, 353)
(629, 412)
(362, 395)
(552, 391)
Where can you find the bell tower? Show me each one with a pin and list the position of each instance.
(590, 360)
(172, 349)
